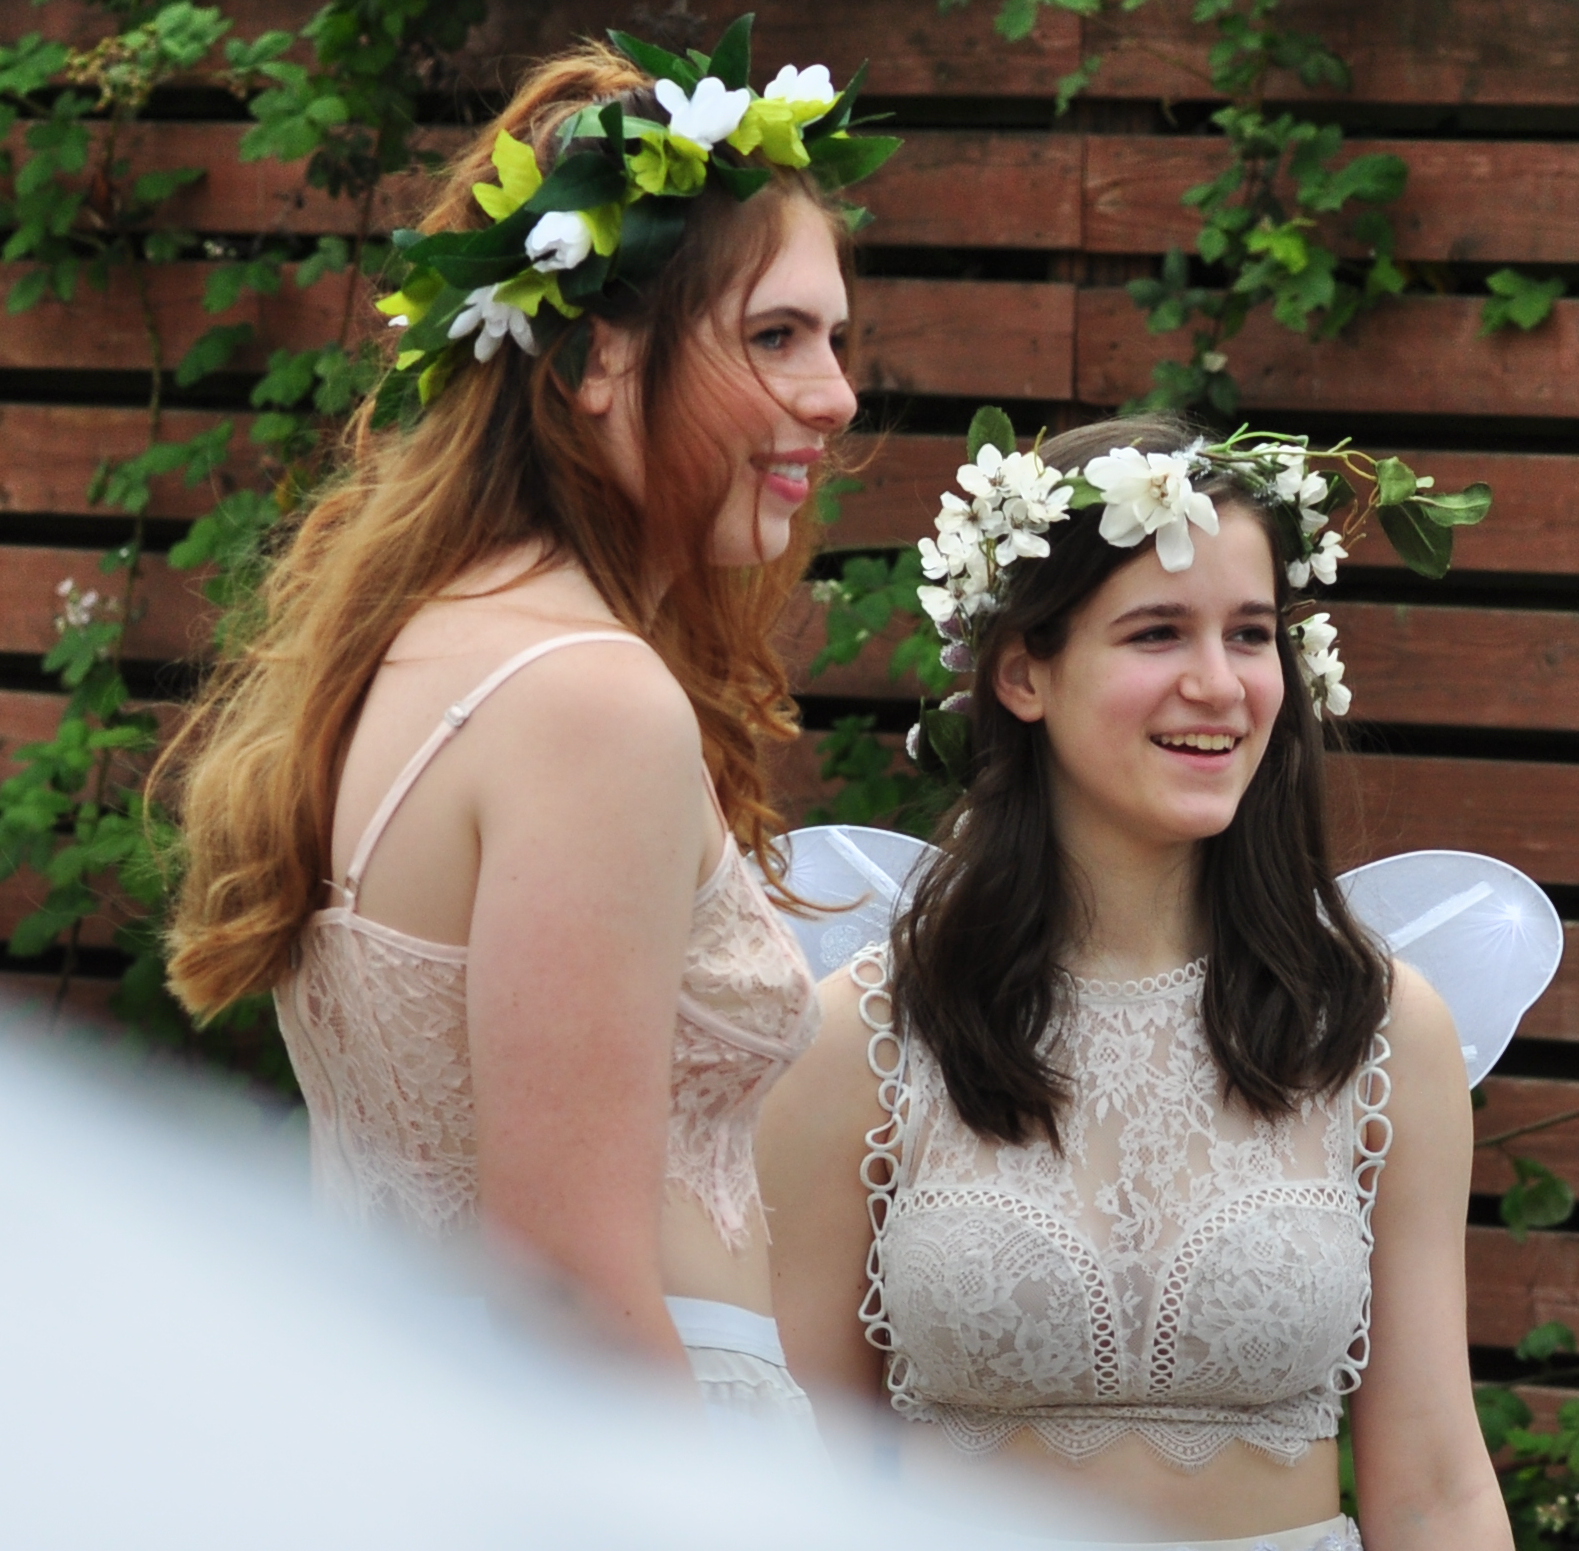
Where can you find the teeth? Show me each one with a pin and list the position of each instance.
(1210, 742)
(796, 471)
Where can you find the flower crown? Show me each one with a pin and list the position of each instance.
(611, 212)
(1015, 497)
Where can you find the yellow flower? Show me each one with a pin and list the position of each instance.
(669, 164)
(415, 300)
(772, 125)
(519, 177)
(530, 289)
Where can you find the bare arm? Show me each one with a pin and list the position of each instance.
(1425, 1482)
(809, 1153)
(590, 818)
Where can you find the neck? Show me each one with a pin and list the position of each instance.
(1141, 903)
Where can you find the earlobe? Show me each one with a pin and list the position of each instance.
(1013, 684)
(606, 363)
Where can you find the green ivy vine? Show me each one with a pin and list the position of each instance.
(74, 813)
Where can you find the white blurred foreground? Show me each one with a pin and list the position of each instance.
(189, 1363)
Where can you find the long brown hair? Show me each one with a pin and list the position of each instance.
(1294, 987)
(503, 455)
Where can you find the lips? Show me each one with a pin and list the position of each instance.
(1213, 743)
(788, 474)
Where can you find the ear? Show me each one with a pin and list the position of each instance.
(610, 357)
(1019, 689)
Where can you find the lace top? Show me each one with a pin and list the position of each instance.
(1183, 1270)
(375, 1023)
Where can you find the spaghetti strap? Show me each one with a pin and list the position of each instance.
(455, 718)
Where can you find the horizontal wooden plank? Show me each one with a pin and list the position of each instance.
(27, 1001)
(173, 611)
(1424, 51)
(1488, 201)
(1556, 1015)
(54, 450)
(1522, 1101)
(966, 337)
(25, 718)
(103, 331)
(1530, 529)
(1416, 354)
(1515, 1287)
(24, 893)
(1544, 1402)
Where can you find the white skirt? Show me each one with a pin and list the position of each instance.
(739, 1367)
(1339, 1534)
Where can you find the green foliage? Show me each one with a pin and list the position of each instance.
(73, 816)
(1539, 1199)
(1539, 1469)
(1518, 299)
(876, 786)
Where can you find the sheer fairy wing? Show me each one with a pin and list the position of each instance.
(860, 878)
(1480, 931)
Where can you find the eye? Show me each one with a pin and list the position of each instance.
(774, 338)
(1254, 635)
(1154, 635)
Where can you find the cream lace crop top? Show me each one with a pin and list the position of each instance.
(1182, 1270)
(375, 1023)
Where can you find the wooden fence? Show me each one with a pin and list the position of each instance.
(1468, 702)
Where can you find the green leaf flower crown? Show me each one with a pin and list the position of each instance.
(610, 213)
(1015, 497)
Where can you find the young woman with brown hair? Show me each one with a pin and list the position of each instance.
(469, 800)
(1082, 1166)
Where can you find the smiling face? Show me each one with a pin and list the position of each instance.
(771, 359)
(1160, 705)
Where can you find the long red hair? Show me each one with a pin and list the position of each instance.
(503, 455)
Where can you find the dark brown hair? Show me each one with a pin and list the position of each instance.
(502, 455)
(1294, 987)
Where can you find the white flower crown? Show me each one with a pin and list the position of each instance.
(1015, 497)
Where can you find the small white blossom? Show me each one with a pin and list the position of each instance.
(937, 601)
(710, 114)
(1324, 561)
(812, 84)
(399, 321)
(560, 240)
(495, 319)
(78, 607)
(1150, 493)
(1316, 639)
(913, 743)
(1214, 361)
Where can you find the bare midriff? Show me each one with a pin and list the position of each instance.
(1241, 1493)
(696, 1263)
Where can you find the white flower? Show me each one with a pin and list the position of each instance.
(79, 606)
(496, 320)
(937, 601)
(399, 321)
(980, 478)
(1151, 493)
(1018, 544)
(710, 114)
(1214, 361)
(1324, 561)
(560, 240)
(1319, 662)
(913, 743)
(812, 84)
(934, 562)
(1315, 634)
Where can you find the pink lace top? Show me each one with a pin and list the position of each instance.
(375, 1022)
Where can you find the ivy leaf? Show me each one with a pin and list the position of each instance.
(1518, 299)
(830, 498)
(211, 351)
(1422, 545)
(1395, 481)
(331, 257)
(1457, 509)
(1545, 1342)
(1540, 1199)
(989, 426)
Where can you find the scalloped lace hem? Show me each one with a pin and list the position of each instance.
(1188, 1442)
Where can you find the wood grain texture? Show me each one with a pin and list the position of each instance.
(1005, 338)
(1490, 201)
(1420, 355)
(1418, 51)
(25, 718)
(103, 331)
(1515, 1287)
(173, 624)
(53, 451)
(31, 997)
(24, 893)
(1530, 528)
(1556, 1014)
(1521, 1101)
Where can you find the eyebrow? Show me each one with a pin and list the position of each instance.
(809, 320)
(1253, 609)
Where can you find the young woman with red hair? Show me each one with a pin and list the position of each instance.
(469, 802)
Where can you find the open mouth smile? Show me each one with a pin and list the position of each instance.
(1198, 742)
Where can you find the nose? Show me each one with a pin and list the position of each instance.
(1210, 679)
(823, 398)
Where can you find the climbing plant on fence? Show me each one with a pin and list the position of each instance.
(339, 98)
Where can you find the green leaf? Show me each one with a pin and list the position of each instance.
(731, 61)
(839, 162)
(155, 187)
(1460, 509)
(1499, 1411)
(945, 745)
(1518, 299)
(1067, 87)
(651, 233)
(331, 257)
(830, 498)
(742, 182)
(211, 351)
(1545, 1342)
(28, 291)
(1422, 545)
(657, 62)
(1395, 481)
(1540, 1199)
(989, 425)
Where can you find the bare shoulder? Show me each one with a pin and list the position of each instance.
(1426, 1061)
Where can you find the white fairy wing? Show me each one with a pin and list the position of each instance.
(1480, 931)
(862, 880)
